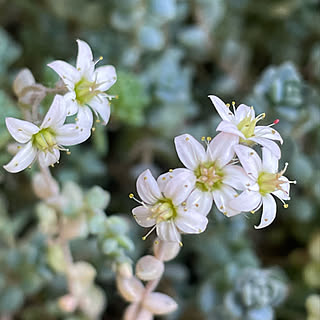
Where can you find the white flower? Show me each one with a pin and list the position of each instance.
(86, 85)
(45, 142)
(213, 175)
(242, 122)
(265, 181)
(164, 206)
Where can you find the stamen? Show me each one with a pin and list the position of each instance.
(234, 106)
(131, 196)
(98, 60)
(148, 234)
(260, 117)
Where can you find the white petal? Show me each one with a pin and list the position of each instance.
(85, 117)
(47, 159)
(272, 146)
(200, 202)
(224, 112)
(69, 74)
(71, 134)
(71, 103)
(22, 159)
(284, 193)
(21, 130)
(268, 212)
(159, 303)
(222, 198)
(269, 161)
(167, 231)
(164, 178)
(56, 114)
(190, 152)
(85, 63)
(246, 201)
(106, 77)
(229, 127)
(143, 217)
(179, 187)
(249, 159)
(236, 177)
(244, 111)
(220, 149)
(148, 188)
(102, 106)
(268, 133)
(190, 221)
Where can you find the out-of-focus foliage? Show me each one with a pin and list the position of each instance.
(171, 54)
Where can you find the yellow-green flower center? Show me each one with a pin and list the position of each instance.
(246, 126)
(163, 210)
(269, 182)
(44, 140)
(209, 176)
(85, 91)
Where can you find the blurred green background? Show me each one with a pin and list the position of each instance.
(169, 55)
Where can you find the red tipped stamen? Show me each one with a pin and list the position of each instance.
(276, 121)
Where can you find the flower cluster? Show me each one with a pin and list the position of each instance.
(180, 200)
(85, 87)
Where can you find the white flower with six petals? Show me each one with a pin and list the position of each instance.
(242, 123)
(46, 141)
(86, 85)
(265, 181)
(164, 207)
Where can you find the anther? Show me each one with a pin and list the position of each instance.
(170, 170)
(285, 205)
(276, 121)
(131, 195)
(203, 138)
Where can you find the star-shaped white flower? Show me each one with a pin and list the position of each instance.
(165, 208)
(242, 122)
(46, 141)
(86, 85)
(215, 178)
(265, 181)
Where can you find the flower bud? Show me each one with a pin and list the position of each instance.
(168, 250)
(93, 302)
(23, 79)
(82, 275)
(68, 303)
(26, 88)
(74, 227)
(159, 303)
(131, 289)
(149, 268)
(131, 313)
(125, 270)
(44, 187)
